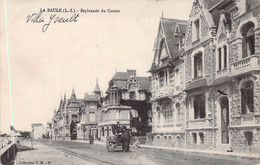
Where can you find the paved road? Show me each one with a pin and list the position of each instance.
(99, 155)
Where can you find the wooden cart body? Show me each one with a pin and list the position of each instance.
(112, 142)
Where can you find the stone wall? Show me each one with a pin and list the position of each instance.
(207, 142)
(170, 139)
(238, 141)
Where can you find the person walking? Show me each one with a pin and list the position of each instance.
(126, 140)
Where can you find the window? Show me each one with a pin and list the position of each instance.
(225, 56)
(158, 114)
(159, 117)
(92, 117)
(199, 107)
(171, 73)
(177, 79)
(194, 135)
(197, 29)
(168, 113)
(248, 41)
(161, 79)
(201, 137)
(219, 59)
(132, 95)
(198, 65)
(247, 97)
(249, 138)
(178, 107)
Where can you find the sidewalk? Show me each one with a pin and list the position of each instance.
(204, 153)
(42, 154)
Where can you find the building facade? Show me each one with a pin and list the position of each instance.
(220, 59)
(124, 91)
(168, 98)
(38, 131)
(88, 115)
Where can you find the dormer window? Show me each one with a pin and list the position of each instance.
(196, 31)
(132, 95)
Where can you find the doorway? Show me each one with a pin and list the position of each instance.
(224, 120)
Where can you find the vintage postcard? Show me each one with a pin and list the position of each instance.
(129, 82)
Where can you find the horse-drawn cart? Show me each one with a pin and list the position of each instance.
(112, 142)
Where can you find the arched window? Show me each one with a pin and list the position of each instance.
(247, 97)
(194, 135)
(201, 137)
(198, 65)
(178, 108)
(196, 30)
(158, 115)
(219, 59)
(225, 56)
(168, 113)
(248, 42)
(177, 79)
(249, 138)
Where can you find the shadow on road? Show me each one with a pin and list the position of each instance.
(21, 148)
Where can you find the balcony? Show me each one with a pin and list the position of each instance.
(200, 123)
(250, 119)
(245, 65)
(222, 73)
(163, 92)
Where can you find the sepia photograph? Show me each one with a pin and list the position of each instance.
(133, 82)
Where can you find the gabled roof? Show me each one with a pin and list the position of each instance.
(168, 28)
(121, 79)
(121, 76)
(172, 42)
(144, 82)
(182, 28)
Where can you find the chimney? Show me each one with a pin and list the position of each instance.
(131, 72)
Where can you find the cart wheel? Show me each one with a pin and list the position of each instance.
(110, 147)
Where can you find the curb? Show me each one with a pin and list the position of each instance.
(206, 153)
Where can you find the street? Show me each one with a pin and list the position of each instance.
(98, 154)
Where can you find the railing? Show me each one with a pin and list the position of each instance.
(245, 65)
(206, 122)
(163, 92)
(248, 119)
(222, 73)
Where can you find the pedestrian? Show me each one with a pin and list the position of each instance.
(125, 140)
(91, 139)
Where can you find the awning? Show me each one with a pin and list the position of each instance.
(221, 81)
(197, 84)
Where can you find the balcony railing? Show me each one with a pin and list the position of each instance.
(222, 73)
(163, 92)
(245, 65)
(206, 122)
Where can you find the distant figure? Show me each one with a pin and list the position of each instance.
(126, 137)
(91, 139)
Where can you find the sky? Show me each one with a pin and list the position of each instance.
(46, 65)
